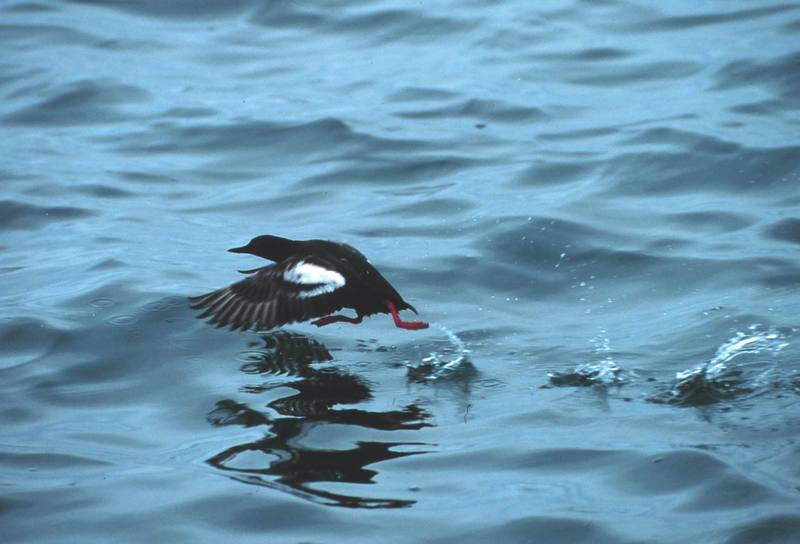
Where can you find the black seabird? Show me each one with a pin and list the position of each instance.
(309, 279)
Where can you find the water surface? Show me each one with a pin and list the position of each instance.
(594, 203)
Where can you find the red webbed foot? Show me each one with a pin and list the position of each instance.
(408, 325)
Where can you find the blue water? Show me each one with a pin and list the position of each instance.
(595, 204)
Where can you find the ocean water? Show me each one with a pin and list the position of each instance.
(595, 203)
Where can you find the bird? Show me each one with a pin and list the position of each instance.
(308, 279)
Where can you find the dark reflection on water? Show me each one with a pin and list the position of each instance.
(279, 460)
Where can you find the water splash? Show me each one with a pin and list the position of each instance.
(715, 380)
(450, 360)
(604, 372)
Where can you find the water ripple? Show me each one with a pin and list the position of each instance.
(83, 102)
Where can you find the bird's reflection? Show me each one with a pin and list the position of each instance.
(279, 460)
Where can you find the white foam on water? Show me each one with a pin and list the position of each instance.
(447, 361)
(754, 341)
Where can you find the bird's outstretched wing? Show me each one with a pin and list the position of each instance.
(296, 289)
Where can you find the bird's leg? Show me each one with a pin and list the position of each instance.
(334, 318)
(408, 325)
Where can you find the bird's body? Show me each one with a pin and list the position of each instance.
(309, 279)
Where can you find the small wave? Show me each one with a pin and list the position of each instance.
(324, 138)
(18, 215)
(80, 103)
(785, 230)
(495, 111)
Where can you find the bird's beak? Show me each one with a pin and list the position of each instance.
(242, 249)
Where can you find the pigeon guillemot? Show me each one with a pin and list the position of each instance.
(310, 278)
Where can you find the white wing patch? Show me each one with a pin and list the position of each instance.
(304, 273)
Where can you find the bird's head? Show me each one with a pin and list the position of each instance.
(269, 247)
